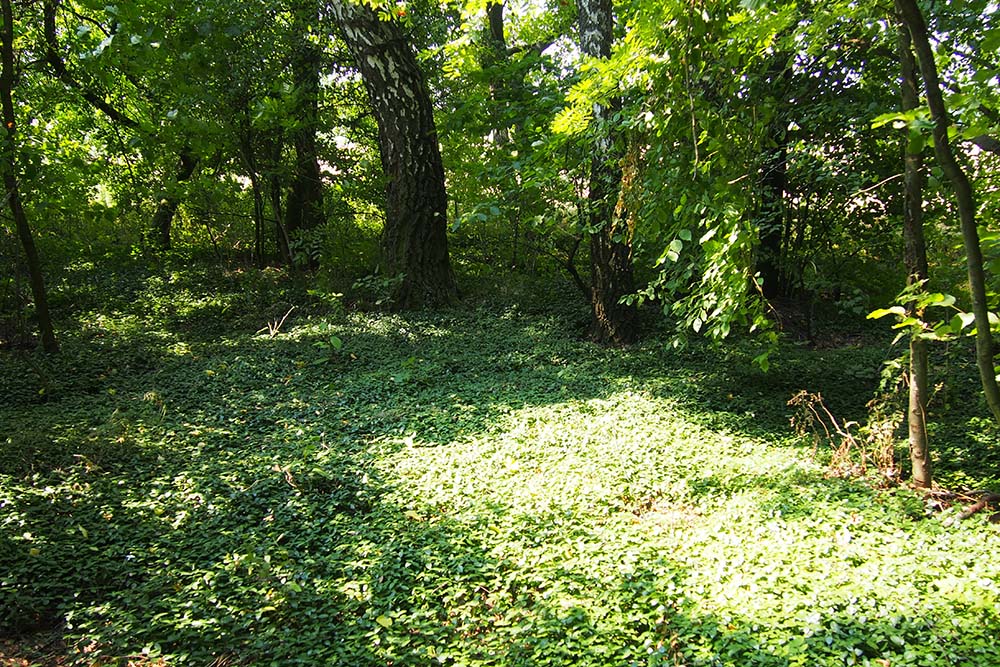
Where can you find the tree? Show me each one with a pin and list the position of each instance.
(414, 240)
(613, 321)
(87, 86)
(304, 208)
(917, 27)
(916, 267)
(166, 207)
(774, 182)
(10, 180)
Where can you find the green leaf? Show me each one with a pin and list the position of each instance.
(762, 360)
(895, 117)
(961, 321)
(937, 299)
(899, 311)
(907, 322)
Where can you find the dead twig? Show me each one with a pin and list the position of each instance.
(274, 326)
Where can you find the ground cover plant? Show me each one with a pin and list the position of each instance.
(203, 477)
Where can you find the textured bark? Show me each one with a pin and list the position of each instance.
(916, 271)
(8, 164)
(917, 28)
(613, 322)
(304, 207)
(414, 241)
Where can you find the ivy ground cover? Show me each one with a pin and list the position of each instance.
(184, 486)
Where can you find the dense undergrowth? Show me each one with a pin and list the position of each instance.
(477, 486)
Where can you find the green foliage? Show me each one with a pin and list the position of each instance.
(377, 290)
(911, 316)
(231, 466)
(329, 342)
(471, 486)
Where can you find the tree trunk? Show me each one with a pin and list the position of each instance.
(13, 194)
(613, 322)
(414, 240)
(270, 146)
(771, 219)
(916, 270)
(914, 21)
(496, 61)
(304, 207)
(774, 181)
(494, 16)
(166, 208)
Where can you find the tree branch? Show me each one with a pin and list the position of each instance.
(58, 66)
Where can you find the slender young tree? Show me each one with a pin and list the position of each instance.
(8, 164)
(916, 267)
(917, 27)
(414, 240)
(613, 322)
(496, 57)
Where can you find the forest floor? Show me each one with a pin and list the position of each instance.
(189, 483)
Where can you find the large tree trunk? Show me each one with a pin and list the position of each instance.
(613, 322)
(8, 164)
(917, 27)
(414, 240)
(304, 208)
(916, 270)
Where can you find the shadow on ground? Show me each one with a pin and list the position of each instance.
(173, 485)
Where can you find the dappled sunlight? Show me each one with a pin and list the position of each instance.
(513, 333)
(463, 487)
